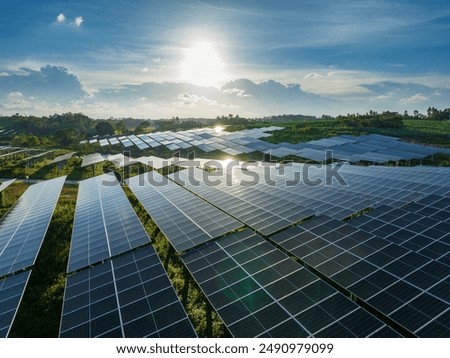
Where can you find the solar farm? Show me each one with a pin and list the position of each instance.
(281, 250)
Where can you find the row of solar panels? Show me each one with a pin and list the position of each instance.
(22, 231)
(205, 139)
(373, 148)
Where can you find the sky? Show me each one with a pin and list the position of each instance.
(199, 58)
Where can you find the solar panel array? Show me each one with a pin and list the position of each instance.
(205, 139)
(258, 291)
(118, 287)
(185, 219)
(406, 285)
(105, 223)
(23, 228)
(372, 148)
(128, 296)
(11, 292)
(395, 259)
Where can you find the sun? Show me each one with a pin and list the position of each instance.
(202, 65)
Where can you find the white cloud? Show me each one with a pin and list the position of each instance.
(193, 99)
(237, 92)
(313, 75)
(60, 18)
(15, 96)
(156, 60)
(417, 98)
(78, 21)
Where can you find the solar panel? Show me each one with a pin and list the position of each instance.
(155, 162)
(411, 230)
(138, 142)
(5, 184)
(126, 142)
(258, 291)
(11, 292)
(113, 141)
(185, 219)
(91, 159)
(105, 223)
(130, 297)
(265, 210)
(62, 158)
(23, 228)
(120, 161)
(388, 277)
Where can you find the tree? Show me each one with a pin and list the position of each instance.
(104, 128)
(144, 127)
(121, 128)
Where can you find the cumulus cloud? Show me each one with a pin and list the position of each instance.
(193, 99)
(60, 18)
(236, 92)
(78, 21)
(51, 83)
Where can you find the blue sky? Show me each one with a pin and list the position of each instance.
(131, 58)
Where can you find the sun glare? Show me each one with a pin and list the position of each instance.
(218, 129)
(202, 65)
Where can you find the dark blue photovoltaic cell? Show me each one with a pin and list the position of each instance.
(405, 286)
(185, 219)
(105, 223)
(11, 292)
(266, 209)
(258, 291)
(23, 228)
(129, 296)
